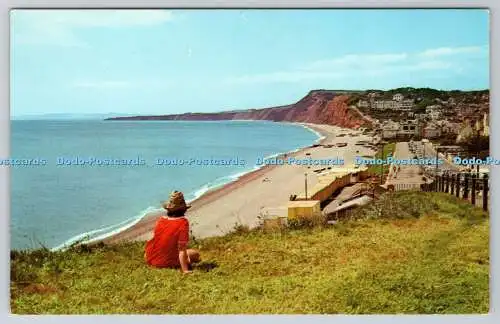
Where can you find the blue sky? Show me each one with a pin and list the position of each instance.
(173, 61)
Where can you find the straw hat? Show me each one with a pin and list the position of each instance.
(176, 202)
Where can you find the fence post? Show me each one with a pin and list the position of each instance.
(466, 186)
(458, 185)
(452, 191)
(485, 192)
(441, 188)
(447, 182)
(473, 190)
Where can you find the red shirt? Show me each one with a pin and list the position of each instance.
(170, 235)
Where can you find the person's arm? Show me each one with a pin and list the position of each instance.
(184, 261)
(182, 245)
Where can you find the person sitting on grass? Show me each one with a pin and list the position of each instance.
(168, 247)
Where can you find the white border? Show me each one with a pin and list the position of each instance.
(493, 5)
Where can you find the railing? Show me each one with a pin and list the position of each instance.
(469, 186)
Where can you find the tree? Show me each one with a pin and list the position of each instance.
(478, 145)
(424, 103)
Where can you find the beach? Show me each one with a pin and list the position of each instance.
(257, 193)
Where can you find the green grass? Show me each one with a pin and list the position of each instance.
(427, 254)
(388, 149)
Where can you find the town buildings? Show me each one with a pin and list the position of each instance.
(390, 129)
(406, 104)
(408, 128)
(363, 104)
(432, 108)
(486, 124)
(397, 97)
(448, 127)
(431, 130)
(398, 103)
(435, 114)
(459, 116)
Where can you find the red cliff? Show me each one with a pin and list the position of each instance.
(317, 107)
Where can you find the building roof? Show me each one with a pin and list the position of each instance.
(327, 178)
(334, 206)
(352, 191)
(303, 203)
(431, 126)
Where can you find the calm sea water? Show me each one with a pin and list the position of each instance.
(57, 204)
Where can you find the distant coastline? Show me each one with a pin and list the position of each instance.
(317, 107)
(66, 116)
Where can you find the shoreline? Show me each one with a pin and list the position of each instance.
(155, 212)
(140, 229)
(132, 228)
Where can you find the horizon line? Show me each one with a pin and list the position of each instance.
(236, 109)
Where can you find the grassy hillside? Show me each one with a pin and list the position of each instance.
(422, 253)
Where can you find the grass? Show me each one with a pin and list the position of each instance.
(429, 255)
(388, 149)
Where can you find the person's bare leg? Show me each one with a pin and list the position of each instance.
(193, 255)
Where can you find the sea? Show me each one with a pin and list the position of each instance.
(78, 180)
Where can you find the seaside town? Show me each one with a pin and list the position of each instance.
(398, 140)
(435, 126)
(427, 113)
(364, 141)
(429, 128)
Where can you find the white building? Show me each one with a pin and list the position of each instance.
(420, 116)
(363, 104)
(390, 104)
(398, 97)
(408, 127)
(406, 104)
(379, 104)
(432, 131)
(448, 127)
(390, 129)
(434, 114)
(432, 108)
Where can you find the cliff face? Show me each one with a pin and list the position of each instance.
(317, 107)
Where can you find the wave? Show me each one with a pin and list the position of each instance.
(102, 233)
(222, 181)
(217, 183)
(320, 136)
(106, 232)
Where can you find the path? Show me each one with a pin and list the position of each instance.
(406, 176)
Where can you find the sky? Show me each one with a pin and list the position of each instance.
(175, 61)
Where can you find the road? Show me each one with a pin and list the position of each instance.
(430, 152)
(410, 176)
(404, 177)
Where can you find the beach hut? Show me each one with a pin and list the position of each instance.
(303, 209)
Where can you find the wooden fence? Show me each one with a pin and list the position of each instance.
(470, 186)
